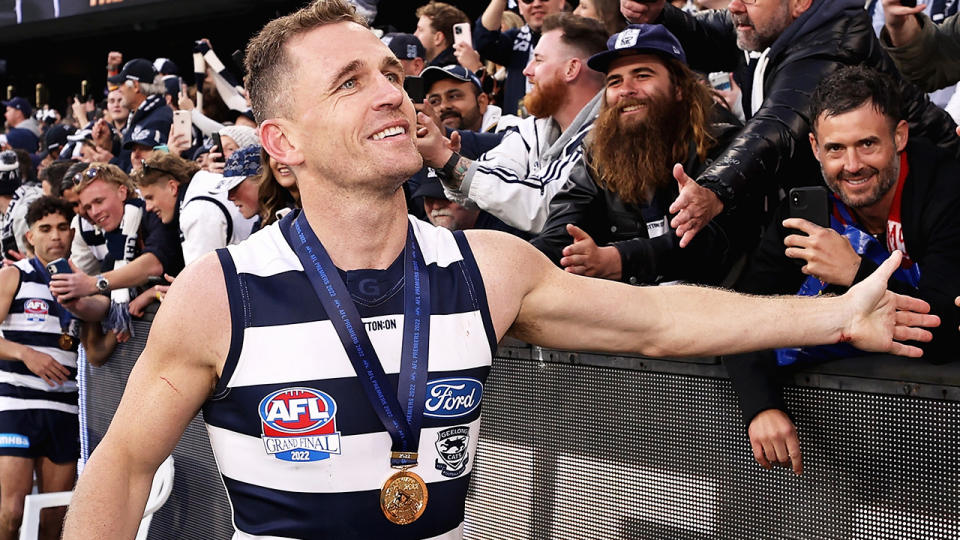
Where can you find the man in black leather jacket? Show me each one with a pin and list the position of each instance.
(655, 113)
(796, 43)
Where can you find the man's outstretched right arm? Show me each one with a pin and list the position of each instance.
(174, 375)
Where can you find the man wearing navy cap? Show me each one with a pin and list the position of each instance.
(408, 50)
(655, 113)
(456, 95)
(19, 114)
(146, 99)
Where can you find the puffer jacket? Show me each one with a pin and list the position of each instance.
(649, 248)
(773, 150)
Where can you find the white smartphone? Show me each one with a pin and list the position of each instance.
(720, 81)
(461, 33)
(181, 124)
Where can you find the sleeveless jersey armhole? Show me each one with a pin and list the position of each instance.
(475, 281)
(235, 299)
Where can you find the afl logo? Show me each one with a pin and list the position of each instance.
(453, 397)
(299, 424)
(36, 309)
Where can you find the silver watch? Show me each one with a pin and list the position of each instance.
(103, 285)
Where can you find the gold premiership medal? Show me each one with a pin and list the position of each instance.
(66, 341)
(403, 497)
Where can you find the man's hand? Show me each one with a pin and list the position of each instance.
(879, 319)
(829, 256)
(184, 102)
(66, 287)
(102, 135)
(79, 113)
(641, 12)
(901, 21)
(585, 258)
(44, 366)
(773, 438)
(214, 164)
(433, 146)
(427, 109)
(467, 56)
(179, 143)
(694, 207)
(114, 60)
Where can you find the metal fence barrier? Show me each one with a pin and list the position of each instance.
(584, 446)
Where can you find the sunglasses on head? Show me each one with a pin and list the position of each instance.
(146, 168)
(90, 173)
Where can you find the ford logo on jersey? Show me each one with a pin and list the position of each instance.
(299, 424)
(453, 397)
(36, 310)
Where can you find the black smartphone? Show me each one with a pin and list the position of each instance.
(218, 146)
(59, 266)
(908, 3)
(156, 280)
(811, 204)
(414, 88)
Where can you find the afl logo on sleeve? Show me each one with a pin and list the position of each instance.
(299, 425)
(36, 310)
(453, 397)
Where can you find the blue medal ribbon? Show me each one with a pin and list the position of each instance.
(401, 414)
(65, 316)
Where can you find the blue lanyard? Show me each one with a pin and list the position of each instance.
(401, 414)
(65, 316)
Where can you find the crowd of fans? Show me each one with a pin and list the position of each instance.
(650, 142)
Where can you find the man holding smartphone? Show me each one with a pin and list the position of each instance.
(889, 192)
(39, 428)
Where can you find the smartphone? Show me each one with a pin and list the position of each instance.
(59, 266)
(720, 81)
(156, 280)
(908, 3)
(461, 34)
(181, 124)
(414, 88)
(217, 146)
(811, 204)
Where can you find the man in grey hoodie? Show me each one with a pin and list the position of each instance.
(19, 115)
(516, 180)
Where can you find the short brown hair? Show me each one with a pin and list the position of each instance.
(586, 35)
(159, 165)
(103, 171)
(267, 60)
(442, 17)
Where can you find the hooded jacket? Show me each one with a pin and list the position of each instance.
(773, 150)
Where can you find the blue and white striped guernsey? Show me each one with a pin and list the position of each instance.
(34, 320)
(301, 451)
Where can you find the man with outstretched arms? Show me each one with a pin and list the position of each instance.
(39, 430)
(347, 403)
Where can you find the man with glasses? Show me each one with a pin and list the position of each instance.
(512, 48)
(129, 243)
(779, 51)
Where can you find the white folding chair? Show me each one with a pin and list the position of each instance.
(159, 493)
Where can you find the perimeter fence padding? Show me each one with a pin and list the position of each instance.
(577, 446)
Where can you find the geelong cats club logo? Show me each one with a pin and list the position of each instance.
(299, 425)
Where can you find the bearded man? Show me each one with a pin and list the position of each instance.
(655, 113)
(516, 180)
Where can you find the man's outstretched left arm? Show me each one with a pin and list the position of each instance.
(546, 306)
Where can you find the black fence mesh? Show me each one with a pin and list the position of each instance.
(583, 452)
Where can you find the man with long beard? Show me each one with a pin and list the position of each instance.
(516, 180)
(655, 113)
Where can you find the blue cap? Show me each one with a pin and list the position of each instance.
(21, 105)
(453, 71)
(138, 69)
(23, 139)
(165, 66)
(638, 39)
(241, 164)
(144, 136)
(404, 46)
